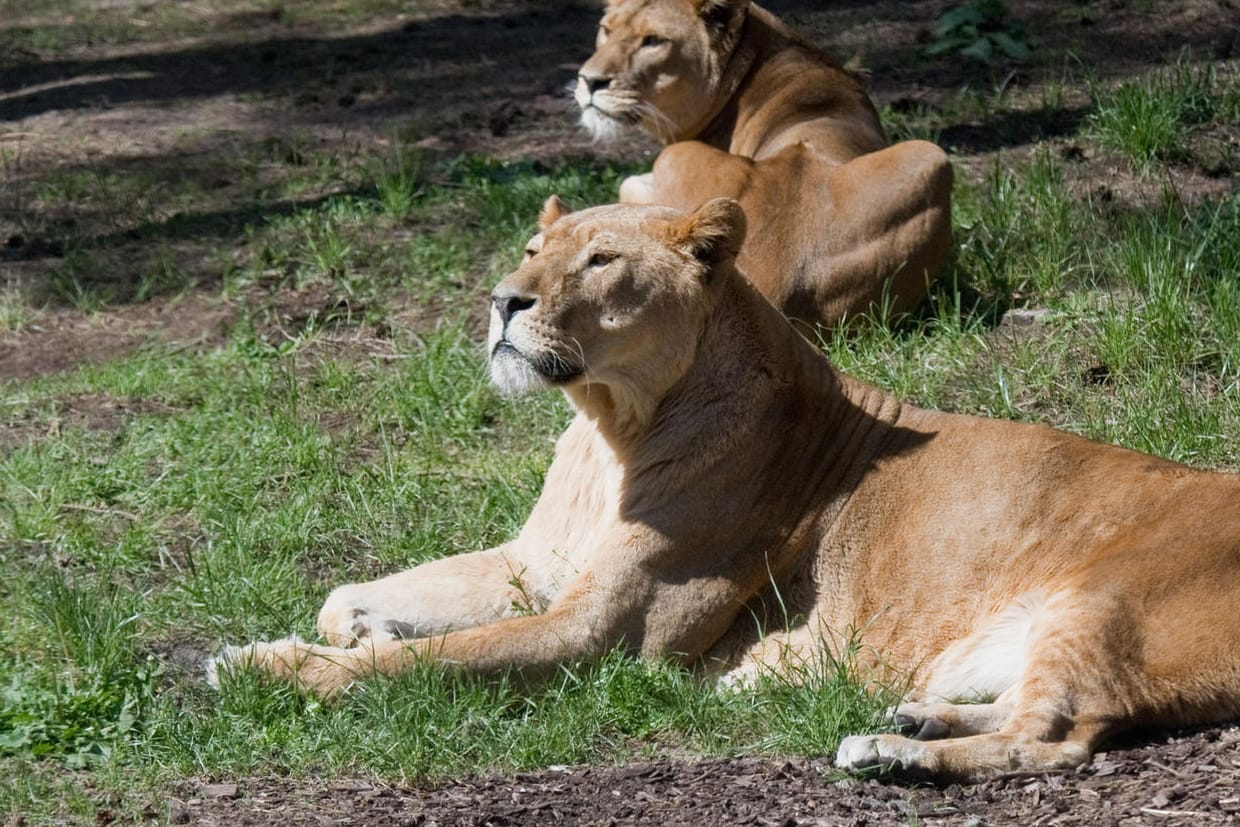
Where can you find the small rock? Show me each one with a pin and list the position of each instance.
(349, 786)
(1024, 316)
(225, 790)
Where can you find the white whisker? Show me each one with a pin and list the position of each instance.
(585, 366)
(581, 354)
(663, 127)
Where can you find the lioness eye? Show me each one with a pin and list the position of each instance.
(653, 40)
(601, 259)
(530, 252)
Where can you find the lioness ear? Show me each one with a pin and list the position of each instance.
(714, 231)
(553, 210)
(719, 14)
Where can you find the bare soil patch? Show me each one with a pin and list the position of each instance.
(61, 338)
(1187, 779)
(491, 77)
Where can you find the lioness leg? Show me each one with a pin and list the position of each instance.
(430, 599)
(970, 759)
(1050, 725)
(1076, 686)
(328, 670)
(581, 625)
(888, 222)
(1096, 663)
(688, 173)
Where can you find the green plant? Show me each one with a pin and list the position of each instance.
(399, 181)
(979, 30)
(74, 281)
(86, 692)
(15, 312)
(1149, 119)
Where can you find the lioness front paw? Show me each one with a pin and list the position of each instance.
(637, 189)
(349, 627)
(919, 721)
(348, 619)
(885, 752)
(323, 670)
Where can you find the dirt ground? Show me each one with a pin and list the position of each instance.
(463, 76)
(492, 77)
(1193, 779)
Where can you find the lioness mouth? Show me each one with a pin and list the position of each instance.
(555, 369)
(548, 365)
(505, 345)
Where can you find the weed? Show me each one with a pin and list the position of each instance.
(88, 690)
(980, 31)
(12, 181)
(74, 282)
(1149, 119)
(15, 311)
(399, 182)
(1019, 234)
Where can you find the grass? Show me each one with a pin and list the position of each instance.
(235, 506)
(1152, 118)
(157, 505)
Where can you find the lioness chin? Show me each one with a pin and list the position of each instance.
(725, 497)
(842, 224)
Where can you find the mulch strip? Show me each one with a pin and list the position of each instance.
(1188, 779)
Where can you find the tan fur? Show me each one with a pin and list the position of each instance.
(841, 224)
(725, 497)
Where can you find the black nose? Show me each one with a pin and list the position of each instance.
(593, 84)
(510, 304)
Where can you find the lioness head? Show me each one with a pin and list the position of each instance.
(658, 64)
(612, 296)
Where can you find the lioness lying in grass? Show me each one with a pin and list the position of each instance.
(724, 496)
(843, 224)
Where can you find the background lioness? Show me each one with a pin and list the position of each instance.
(726, 497)
(749, 110)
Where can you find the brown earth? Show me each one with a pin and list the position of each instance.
(1193, 779)
(491, 77)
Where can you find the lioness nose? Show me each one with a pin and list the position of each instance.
(510, 304)
(593, 84)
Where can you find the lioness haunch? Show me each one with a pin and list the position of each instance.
(724, 496)
(842, 224)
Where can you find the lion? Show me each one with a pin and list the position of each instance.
(843, 225)
(726, 498)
